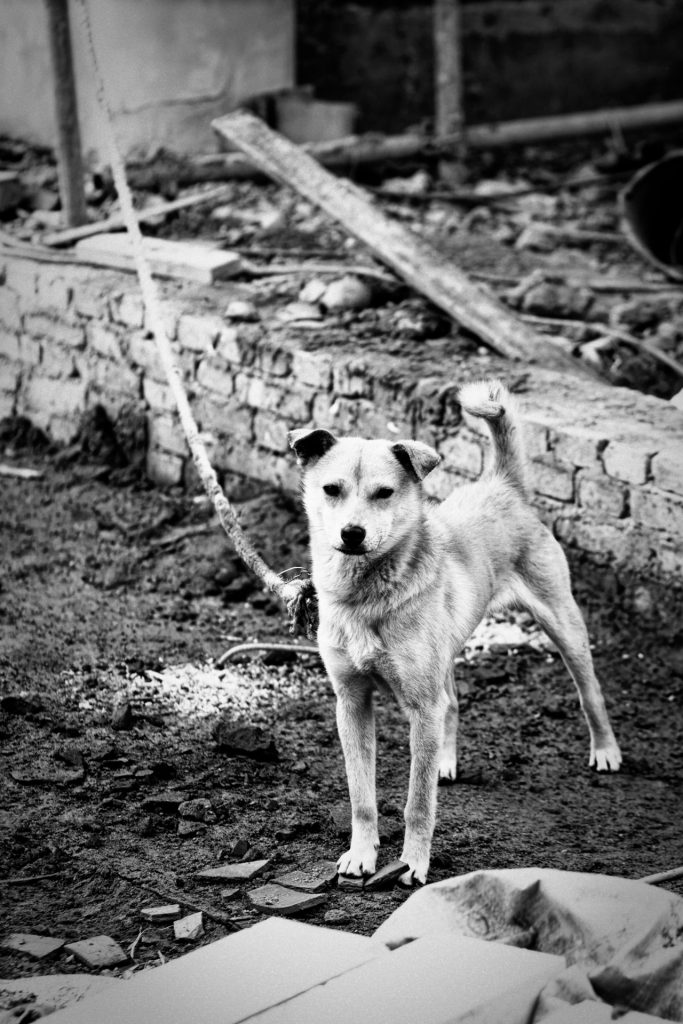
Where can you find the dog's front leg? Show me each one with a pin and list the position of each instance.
(356, 726)
(426, 735)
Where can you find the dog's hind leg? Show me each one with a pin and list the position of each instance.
(545, 590)
(448, 758)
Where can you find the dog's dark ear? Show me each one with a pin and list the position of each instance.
(310, 444)
(417, 458)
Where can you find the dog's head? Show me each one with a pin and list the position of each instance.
(362, 497)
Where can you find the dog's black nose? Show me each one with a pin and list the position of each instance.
(353, 536)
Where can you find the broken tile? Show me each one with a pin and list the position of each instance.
(38, 946)
(161, 915)
(386, 876)
(189, 928)
(98, 952)
(314, 879)
(275, 899)
(229, 894)
(349, 883)
(241, 872)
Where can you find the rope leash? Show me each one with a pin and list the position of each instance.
(298, 596)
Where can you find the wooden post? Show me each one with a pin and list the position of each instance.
(69, 159)
(448, 92)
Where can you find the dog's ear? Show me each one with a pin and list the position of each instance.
(310, 444)
(415, 457)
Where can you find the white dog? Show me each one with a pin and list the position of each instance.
(402, 580)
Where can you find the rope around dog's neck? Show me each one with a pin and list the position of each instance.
(297, 595)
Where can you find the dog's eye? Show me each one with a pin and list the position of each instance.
(333, 490)
(383, 493)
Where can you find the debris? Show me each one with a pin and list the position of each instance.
(275, 899)
(350, 883)
(348, 292)
(40, 947)
(189, 928)
(386, 876)
(165, 803)
(122, 716)
(314, 879)
(161, 915)
(410, 256)
(98, 952)
(313, 290)
(20, 472)
(229, 894)
(241, 309)
(191, 261)
(242, 739)
(336, 916)
(199, 809)
(10, 190)
(244, 871)
(300, 312)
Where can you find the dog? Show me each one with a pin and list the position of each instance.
(402, 581)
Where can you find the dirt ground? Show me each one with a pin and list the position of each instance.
(115, 592)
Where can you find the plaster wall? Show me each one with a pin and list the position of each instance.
(170, 67)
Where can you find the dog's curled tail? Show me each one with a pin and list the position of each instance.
(490, 400)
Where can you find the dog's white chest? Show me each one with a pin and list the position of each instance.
(362, 644)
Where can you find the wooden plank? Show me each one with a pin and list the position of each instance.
(69, 159)
(413, 258)
(70, 235)
(449, 118)
(189, 261)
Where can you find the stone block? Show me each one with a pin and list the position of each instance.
(536, 439)
(55, 397)
(313, 368)
(165, 432)
(225, 419)
(577, 447)
(215, 379)
(31, 352)
(667, 468)
(142, 352)
(10, 375)
(8, 404)
(463, 453)
(236, 345)
(606, 542)
(164, 468)
(270, 431)
(54, 292)
(109, 375)
(601, 495)
(39, 947)
(10, 311)
(273, 360)
(42, 325)
(352, 379)
(128, 309)
(657, 510)
(57, 361)
(199, 333)
(628, 460)
(91, 300)
(104, 340)
(157, 395)
(20, 277)
(552, 481)
(98, 952)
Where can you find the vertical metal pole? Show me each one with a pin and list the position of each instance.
(69, 157)
(448, 90)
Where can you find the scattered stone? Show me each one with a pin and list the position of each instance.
(300, 312)
(244, 740)
(336, 916)
(189, 928)
(313, 290)
(241, 309)
(349, 883)
(275, 899)
(189, 829)
(229, 894)
(70, 754)
(386, 876)
(253, 853)
(199, 809)
(122, 716)
(537, 237)
(557, 300)
(283, 835)
(161, 915)
(314, 879)
(239, 849)
(347, 292)
(40, 947)
(98, 952)
(244, 871)
(165, 803)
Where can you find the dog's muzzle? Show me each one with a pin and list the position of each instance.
(352, 540)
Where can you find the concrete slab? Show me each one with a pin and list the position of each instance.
(99, 951)
(161, 915)
(37, 946)
(276, 899)
(232, 979)
(55, 990)
(443, 979)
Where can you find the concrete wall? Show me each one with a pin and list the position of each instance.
(170, 66)
(606, 463)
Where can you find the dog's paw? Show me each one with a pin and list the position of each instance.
(413, 877)
(416, 856)
(357, 861)
(606, 758)
(447, 770)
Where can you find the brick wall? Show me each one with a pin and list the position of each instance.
(607, 464)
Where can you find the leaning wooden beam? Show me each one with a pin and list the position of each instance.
(411, 257)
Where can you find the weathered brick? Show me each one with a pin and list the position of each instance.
(199, 333)
(214, 379)
(164, 468)
(42, 325)
(10, 310)
(274, 360)
(237, 345)
(577, 447)
(659, 510)
(270, 431)
(627, 460)
(91, 300)
(62, 429)
(552, 481)
(108, 375)
(55, 397)
(10, 375)
(225, 419)
(313, 368)
(57, 361)
(535, 437)
(128, 309)
(601, 495)
(20, 277)
(104, 340)
(53, 291)
(166, 433)
(607, 542)
(171, 311)
(463, 453)
(667, 469)
(30, 350)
